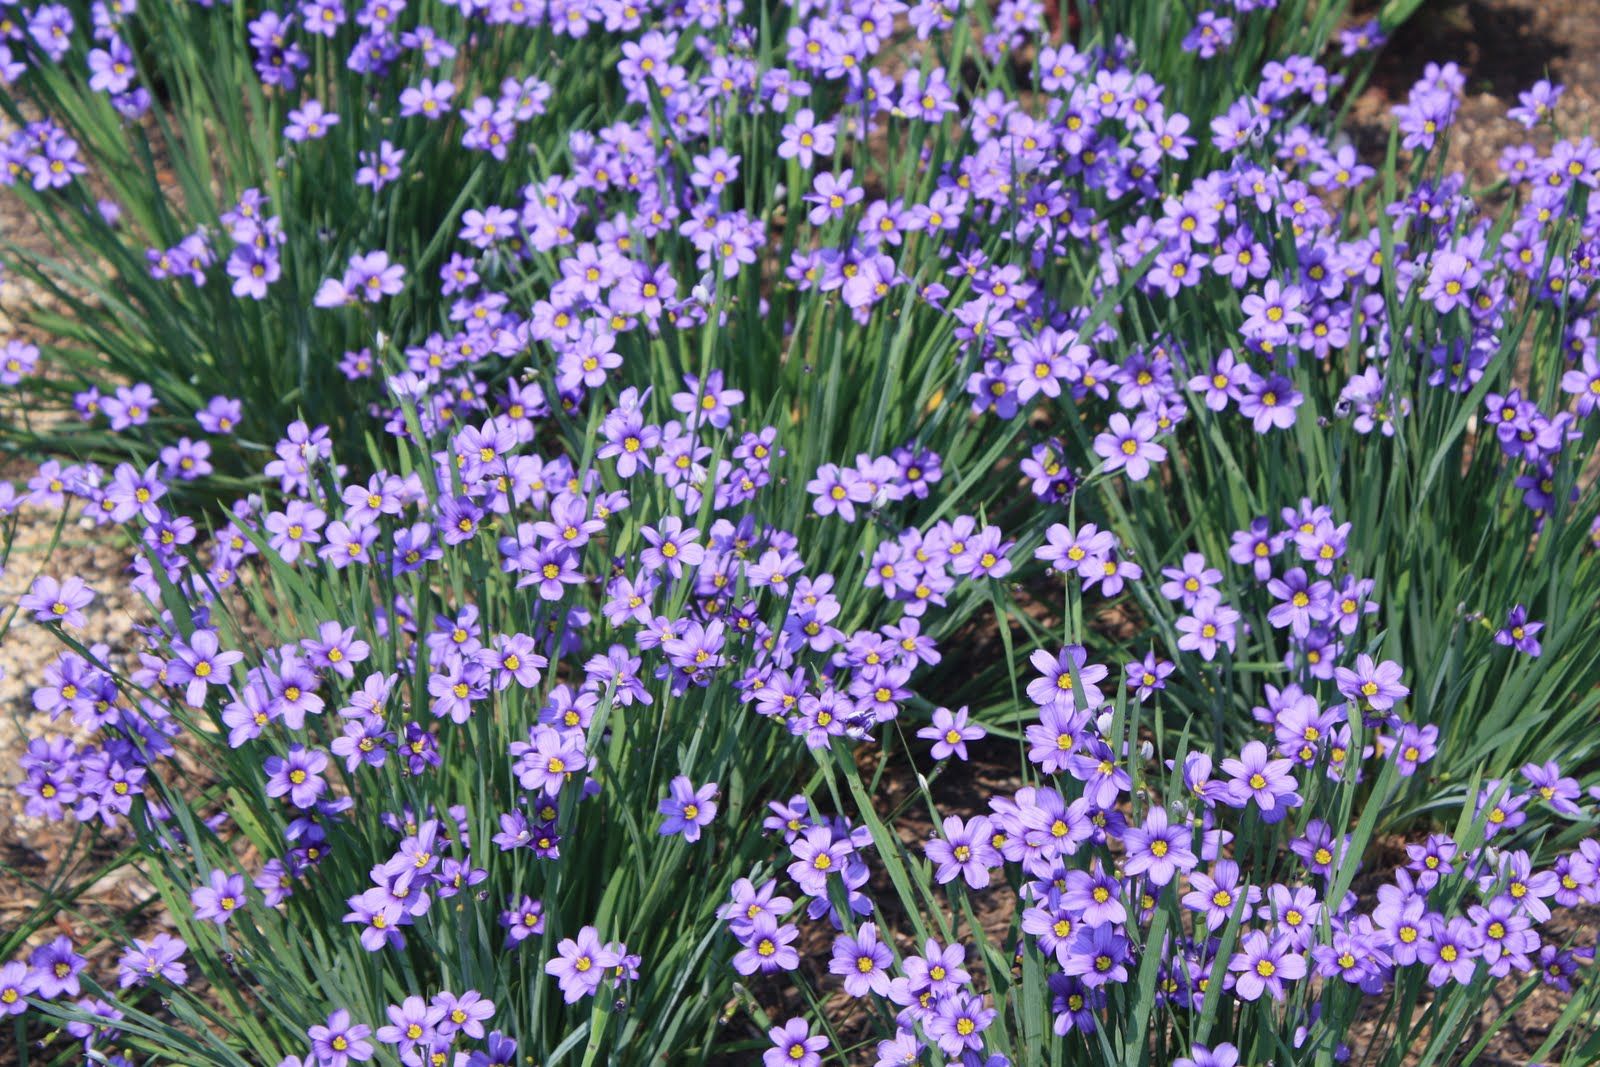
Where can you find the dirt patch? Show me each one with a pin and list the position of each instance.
(1502, 47)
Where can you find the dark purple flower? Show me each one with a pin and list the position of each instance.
(1519, 633)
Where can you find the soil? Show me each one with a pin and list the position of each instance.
(1502, 47)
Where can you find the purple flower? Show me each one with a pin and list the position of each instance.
(1263, 965)
(309, 122)
(1451, 951)
(1270, 403)
(111, 69)
(1157, 850)
(1499, 809)
(428, 99)
(1560, 793)
(1301, 602)
(465, 1014)
(218, 901)
(688, 809)
(380, 168)
(1535, 105)
(1519, 633)
(1216, 895)
(985, 556)
(1055, 737)
(1096, 956)
(412, 1025)
(16, 982)
(831, 195)
(253, 270)
(1450, 282)
(1255, 548)
(17, 359)
(950, 733)
(964, 851)
(524, 918)
(545, 760)
(338, 1042)
(1414, 746)
(55, 968)
(794, 1046)
(1272, 312)
(817, 855)
(672, 546)
(57, 602)
(1057, 687)
(1427, 114)
(1187, 583)
(766, 946)
(380, 917)
(297, 776)
(712, 403)
(299, 524)
(1257, 777)
(374, 277)
(940, 970)
(581, 964)
(805, 138)
(958, 1022)
(1096, 894)
(336, 648)
(715, 171)
(200, 664)
(1584, 383)
(1130, 446)
(838, 491)
(1374, 685)
(293, 693)
(1224, 1055)
(1208, 627)
(863, 962)
(156, 958)
(368, 277)
(186, 460)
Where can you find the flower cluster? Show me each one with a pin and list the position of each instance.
(529, 638)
